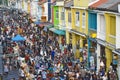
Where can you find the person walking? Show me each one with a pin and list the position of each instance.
(44, 75)
(6, 69)
(52, 54)
(105, 77)
(22, 73)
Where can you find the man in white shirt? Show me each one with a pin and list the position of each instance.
(105, 77)
(22, 74)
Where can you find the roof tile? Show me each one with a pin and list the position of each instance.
(98, 3)
(107, 5)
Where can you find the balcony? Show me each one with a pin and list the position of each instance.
(101, 35)
(112, 39)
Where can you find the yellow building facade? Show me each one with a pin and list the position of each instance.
(68, 24)
(82, 4)
(110, 38)
(61, 20)
(29, 7)
(79, 25)
(68, 20)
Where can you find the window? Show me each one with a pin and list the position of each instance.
(69, 17)
(83, 20)
(62, 14)
(77, 22)
(112, 25)
(93, 21)
(57, 14)
(102, 24)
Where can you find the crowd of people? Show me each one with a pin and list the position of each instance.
(40, 56)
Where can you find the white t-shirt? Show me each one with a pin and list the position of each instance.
(44, 74)
(6, 68)
(22, 73)
(104, 77)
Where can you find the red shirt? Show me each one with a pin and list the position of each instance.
(69, 63)
(65, 51)
(26, 57)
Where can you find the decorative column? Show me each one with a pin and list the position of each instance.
(118, 66)
(98, 57)
(74, 42)
(81, 42)
(88, 61)
(60, 37)
(29, 6)
(67, 37)
(108, 58)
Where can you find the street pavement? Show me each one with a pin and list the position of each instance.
(1, 62)
(12, 74)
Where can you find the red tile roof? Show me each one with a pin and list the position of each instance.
(106, 5)
(98, 3)
(41, 2)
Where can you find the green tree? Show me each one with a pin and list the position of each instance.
(0, 2)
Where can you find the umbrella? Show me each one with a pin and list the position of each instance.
(45, 29)
(37, 22)
(18, 38)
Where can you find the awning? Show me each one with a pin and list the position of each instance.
(78, 33)
(59, 32)
(101, 42)
(49, 26)
(52, 29)
(37, 22)
(116, 52)
(56, 31)
(45, 24)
